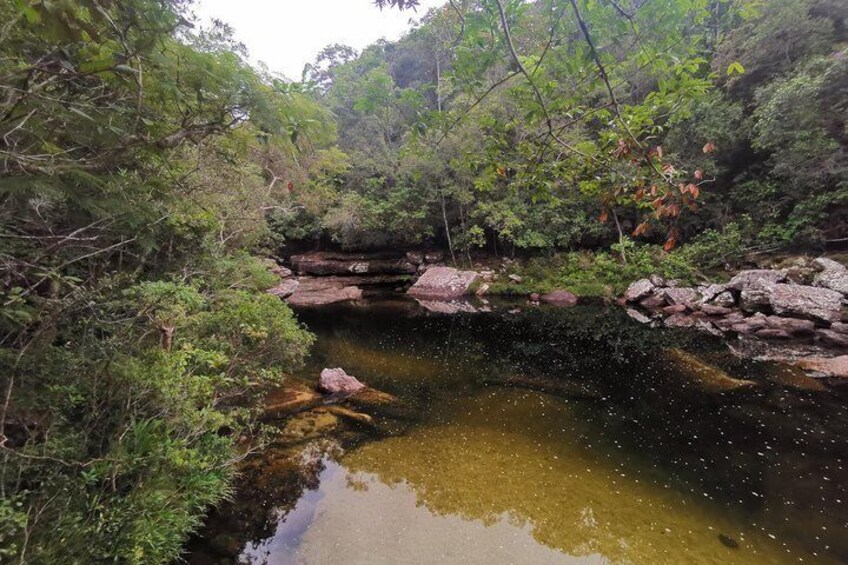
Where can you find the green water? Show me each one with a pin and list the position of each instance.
(645, 471)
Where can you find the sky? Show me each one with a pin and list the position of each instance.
(287, 34)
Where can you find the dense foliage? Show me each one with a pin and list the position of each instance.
(506, 125)
(139, 158)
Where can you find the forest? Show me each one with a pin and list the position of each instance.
(150, 174)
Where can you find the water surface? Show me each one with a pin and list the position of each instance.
(627, 463)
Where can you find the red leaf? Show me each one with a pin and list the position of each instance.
(699, 174)
(709, 147)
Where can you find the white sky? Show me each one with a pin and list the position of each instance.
(287, 34)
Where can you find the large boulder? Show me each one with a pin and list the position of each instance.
(337, 381)
(746, 279)
(639, 290)
(834, 276)
(442, 283)
(794, 300)
(559, 298)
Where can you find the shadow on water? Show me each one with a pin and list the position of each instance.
(547, 436)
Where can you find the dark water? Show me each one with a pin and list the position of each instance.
(628, 457)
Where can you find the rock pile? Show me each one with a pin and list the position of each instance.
(765, 303)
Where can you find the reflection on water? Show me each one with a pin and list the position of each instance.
(648, 472)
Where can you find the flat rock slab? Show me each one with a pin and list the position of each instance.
(443, 283)
(319, 291)
(829, 366)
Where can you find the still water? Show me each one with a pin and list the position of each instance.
(625, 458)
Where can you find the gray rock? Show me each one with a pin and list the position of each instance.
(745, 279)
(639, 290)
(756, 297)
(826, 264)
(515, 279)
(638, 316)
(724, 299)
(333, 381)
(709, 292)
(810, 302)
(442, 283)
(434, 256)
(415, 257)
(835, 277)
(682, 295)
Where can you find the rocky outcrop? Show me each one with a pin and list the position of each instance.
(761, 303)
(337, 381)
(443, 283)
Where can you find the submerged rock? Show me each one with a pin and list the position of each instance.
(351, 415)
(701, 375)
(336, 381)
(290, 400)
(442, 283)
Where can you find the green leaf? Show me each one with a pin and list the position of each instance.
(735, 67)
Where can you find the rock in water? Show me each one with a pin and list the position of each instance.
(702, 376)
(559, 298)
(333, 381)
(443, 283)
